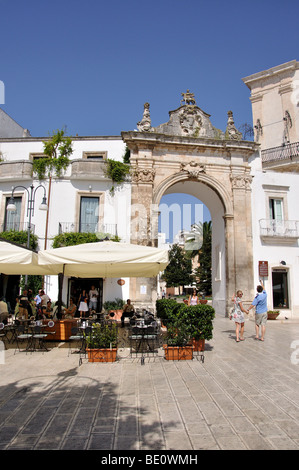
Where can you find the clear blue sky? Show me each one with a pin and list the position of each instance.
(90, 66)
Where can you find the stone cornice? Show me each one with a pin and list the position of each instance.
(283, 68)
(152, 140)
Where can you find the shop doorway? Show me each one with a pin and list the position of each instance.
(280, 289)
(77, 285)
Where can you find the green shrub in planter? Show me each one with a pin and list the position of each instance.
(178, 334)
(116, 304)
(102, 336)
(165, 308)
(198, 318)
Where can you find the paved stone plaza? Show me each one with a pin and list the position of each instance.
(244, 396)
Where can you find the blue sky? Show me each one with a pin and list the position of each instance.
(90, 66)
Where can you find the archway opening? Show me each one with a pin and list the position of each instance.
(192, 202)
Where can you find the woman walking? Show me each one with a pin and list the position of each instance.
(238, 315)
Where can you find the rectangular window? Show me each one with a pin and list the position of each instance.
(89, 214)
(275, 209)
(276, 216)
(99, 156)
(12, 219)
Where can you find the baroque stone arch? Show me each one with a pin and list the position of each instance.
(188, 150)
(213, 183)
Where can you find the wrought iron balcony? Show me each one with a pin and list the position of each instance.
(67, 227)
(282, 230)
(16, 226)
(283, 156)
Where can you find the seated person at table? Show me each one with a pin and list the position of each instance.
(3, 311)
(71, 310)
(127, 312)
(24, 305)
(48, 311)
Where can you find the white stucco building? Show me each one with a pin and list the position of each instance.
(275, 188)
(250, 188)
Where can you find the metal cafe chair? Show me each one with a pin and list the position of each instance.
(23, 335)
(143, 340)
(75, 337)
(39, 337)
(51, 324)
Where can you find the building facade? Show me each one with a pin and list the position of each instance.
(275, 190)
(249, 187)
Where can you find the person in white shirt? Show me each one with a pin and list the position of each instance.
(44, 299)
(93, 299)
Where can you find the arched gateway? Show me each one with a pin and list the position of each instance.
(189, 155)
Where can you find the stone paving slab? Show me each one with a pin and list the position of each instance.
(244, 396)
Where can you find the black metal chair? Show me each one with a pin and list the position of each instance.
(75, 337)
(22, 335)
(144, 341)
(38, 337)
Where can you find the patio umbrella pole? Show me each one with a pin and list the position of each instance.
(60, 285)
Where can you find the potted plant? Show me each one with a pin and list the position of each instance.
(102, 343)
(115, 307)
(165, 309)
(273, 314)
(178, 347)
(201, 325)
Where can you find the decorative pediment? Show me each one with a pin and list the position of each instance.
(188, 120)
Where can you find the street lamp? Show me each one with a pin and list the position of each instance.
(30, 205)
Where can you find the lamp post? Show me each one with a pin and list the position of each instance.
(31, 191)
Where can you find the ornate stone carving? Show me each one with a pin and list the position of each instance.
(193, 169)
(188, 98)
(259, 129)
(287, 125)
(143, 175)
(190, 120)
(231, 131)
(145, 125)
(241, 181)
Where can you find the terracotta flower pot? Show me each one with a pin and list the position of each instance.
(178, 353)
(203, 301)
(273, 315)
(198, 344)
(101, 355)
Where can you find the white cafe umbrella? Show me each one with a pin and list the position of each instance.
(105, 259)
(16, 259)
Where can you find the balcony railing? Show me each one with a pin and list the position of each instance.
(284, 152)
(16, 226)
(287, 229)
(67, 227)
